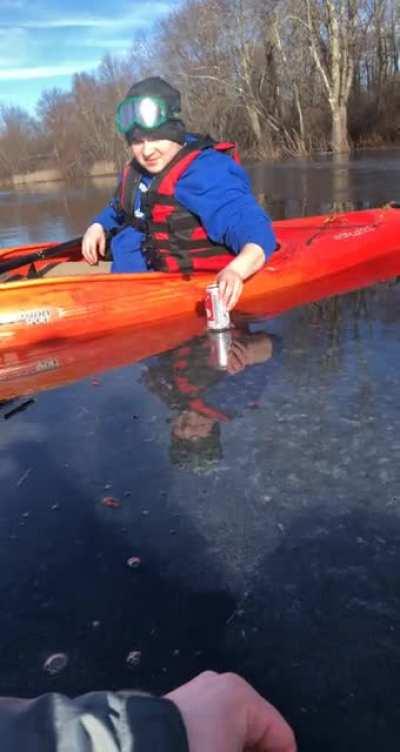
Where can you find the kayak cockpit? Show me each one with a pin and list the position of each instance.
(55, 268)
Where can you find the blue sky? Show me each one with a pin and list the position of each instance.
(44, 42)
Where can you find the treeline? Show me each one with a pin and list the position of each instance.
(282, 77)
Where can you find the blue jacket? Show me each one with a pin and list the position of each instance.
(218, 191)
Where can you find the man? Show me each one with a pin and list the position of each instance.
(183, 203)
(211, 713)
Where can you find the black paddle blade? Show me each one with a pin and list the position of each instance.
(46, 253)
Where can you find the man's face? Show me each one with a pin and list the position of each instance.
(192, 425)
(154, 155)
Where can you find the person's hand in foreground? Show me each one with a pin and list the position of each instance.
(94, 243)
(223, 713)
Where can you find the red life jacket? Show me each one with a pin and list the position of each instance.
(175, 239)
(185, 386)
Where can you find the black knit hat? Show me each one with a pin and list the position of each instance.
(174, 128)
(157, 87)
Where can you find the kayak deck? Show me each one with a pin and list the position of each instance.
(312, 252)
(77, 268)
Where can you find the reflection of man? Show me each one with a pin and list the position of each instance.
(189, 380)
(248, 349)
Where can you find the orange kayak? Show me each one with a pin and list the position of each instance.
(55, 363)
(313, 253)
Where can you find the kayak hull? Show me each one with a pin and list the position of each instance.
(312, 252)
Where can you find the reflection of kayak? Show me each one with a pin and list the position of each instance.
(313, 251)
(54, 363)
(46, 365)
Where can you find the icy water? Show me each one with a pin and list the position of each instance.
(268, 545)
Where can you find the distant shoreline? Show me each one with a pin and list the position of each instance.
(99, 169)
(102, 169)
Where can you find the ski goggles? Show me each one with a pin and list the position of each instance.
(142, 112)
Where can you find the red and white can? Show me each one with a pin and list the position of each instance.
(217, 315)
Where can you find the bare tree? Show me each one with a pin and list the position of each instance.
(56, 110)
(333, 29)
(278, 76)
(19, 140)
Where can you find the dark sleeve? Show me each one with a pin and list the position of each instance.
(95, 722)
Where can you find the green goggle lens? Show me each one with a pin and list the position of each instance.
(145, 112)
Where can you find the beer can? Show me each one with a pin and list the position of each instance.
(217, 316)
(220, 345)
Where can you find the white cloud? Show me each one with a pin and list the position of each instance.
(118, 44)
(13, 47)
(133, 19)
(45, 71)
(50, 38)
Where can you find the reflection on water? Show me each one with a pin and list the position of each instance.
(189, 380)
(251, 559)
(11, 407)
(50, 211)
(330, 183)
(275, 555)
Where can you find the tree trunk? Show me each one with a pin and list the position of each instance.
(255, 124)
(339, 141)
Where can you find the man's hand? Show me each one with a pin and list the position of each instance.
(250, 259)
(230, 285)
(223, 713)
(94, 243)
(237, 357)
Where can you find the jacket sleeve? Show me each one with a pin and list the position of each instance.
(108, 217)
(95, 722)
(218, 191)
